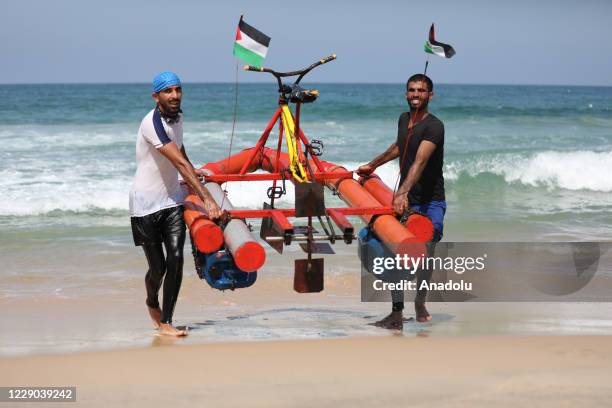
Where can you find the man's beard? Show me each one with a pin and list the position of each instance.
(170, 111)
(422, 106)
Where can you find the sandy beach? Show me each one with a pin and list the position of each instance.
(393, 370)
(268, 346)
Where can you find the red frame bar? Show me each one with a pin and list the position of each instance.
(314, 158)
(221, 178)
(262, 140)
(290, 212)
(280, 220)
(340, 219)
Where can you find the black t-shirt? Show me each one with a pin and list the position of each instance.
(431, 184)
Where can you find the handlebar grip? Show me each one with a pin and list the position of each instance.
(252, 68)
(327, 59)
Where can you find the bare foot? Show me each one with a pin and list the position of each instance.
(170, 330)
(394, 321)
(155, 313)
(422, 315)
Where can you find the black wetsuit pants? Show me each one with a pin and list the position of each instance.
(154, 232)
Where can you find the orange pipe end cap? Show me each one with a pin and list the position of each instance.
(421, 227)
(250, 257)
(412, 249)
(208, 238)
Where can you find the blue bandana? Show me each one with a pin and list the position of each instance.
(165, 80)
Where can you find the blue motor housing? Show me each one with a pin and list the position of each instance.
(369, 248)
(220, 272)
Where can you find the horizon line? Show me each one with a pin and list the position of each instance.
(317, 82)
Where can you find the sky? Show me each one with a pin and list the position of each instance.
(497, 42)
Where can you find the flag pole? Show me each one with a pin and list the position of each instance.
(235, 115)
(427, 56)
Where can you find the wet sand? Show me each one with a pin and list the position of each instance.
(356, 372)
(101, 311)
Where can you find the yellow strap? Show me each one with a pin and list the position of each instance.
(299, 174)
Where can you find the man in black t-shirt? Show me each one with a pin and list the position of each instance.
(420, 149)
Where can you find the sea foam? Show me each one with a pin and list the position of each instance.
(578, 170)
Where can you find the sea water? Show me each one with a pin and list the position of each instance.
(522, 163)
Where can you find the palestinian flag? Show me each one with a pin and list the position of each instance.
(434, 47)
(251, 45)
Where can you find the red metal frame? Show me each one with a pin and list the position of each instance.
(244, 176)
(279, 215)
(220, 178)
(340, 219)
(290, 212)
(262, 140)
(281, 221)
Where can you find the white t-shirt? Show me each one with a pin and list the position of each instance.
(156, 184)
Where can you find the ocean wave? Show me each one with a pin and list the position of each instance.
(70, 193)
(49, 198)
(487, 111)
(70, 184)
(32, 137)
(577, 170)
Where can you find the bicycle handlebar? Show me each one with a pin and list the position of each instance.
(301, 72)
(252, 68)
(328, 59)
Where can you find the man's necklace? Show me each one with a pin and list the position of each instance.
(412, 124)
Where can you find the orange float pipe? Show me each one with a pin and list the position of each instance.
(378, 189)
(393, 234)
(234, 163)
(268, 162)
(418, 224)
(421, 226)
(207, 236)
(248, 254)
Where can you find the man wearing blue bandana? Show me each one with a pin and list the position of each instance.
(156, 199)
